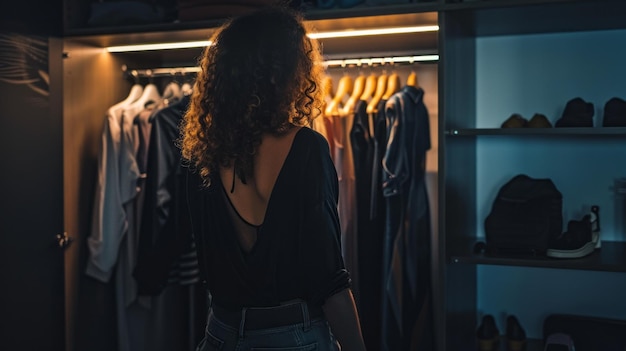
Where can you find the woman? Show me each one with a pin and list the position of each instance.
(263, 192)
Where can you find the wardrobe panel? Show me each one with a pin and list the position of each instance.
(532, 294)
(92, 79)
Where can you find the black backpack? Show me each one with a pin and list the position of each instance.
(525, 216)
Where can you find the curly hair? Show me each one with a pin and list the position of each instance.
(260, 75)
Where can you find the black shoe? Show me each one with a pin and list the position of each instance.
(614, 113)
(595, 226)
(577, 113)
(514, 121)
(487, 334)
(577, 241)
(515, 335)
(539, 121)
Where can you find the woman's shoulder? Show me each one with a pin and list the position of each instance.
(313, 138)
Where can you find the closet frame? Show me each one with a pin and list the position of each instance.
(92, 80)
(463, 26)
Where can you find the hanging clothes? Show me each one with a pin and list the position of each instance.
(109, 225)
(167, 269)
(163, 240)
(369, 229)
(407, 312)
(347, 195)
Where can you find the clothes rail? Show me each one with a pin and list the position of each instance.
(159, 72)
(370, 61)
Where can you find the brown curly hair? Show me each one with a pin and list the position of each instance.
(260, 75)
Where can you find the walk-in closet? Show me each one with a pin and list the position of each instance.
(501, 82)
(102, 70)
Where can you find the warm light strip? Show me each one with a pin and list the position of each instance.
(322, 35)
(159, 46)
(343, 63)
(381, 60)
(377, 31)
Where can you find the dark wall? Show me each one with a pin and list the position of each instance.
(38, 17)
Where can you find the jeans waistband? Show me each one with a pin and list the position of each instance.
(249, 318)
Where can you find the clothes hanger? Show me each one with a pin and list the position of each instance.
(381, 86)
(344, 88)
(359, 86)
(172, 91)
(370, 87)
(327, 92)
(412, 79)
(393, 85)
(150, 94)
(186, 88)
(135, 92)
(327, 88)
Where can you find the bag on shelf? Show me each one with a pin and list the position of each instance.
(525, 215)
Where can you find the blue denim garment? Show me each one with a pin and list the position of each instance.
(406, 244)
(311, 334)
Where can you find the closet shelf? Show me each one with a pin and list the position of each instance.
(425, 10)
(610, 258)
(592, 131)
(348, 62)
(159, 72)
(490, 18)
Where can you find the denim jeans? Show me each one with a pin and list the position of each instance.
(310, 334)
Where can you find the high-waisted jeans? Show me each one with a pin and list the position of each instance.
(309, 334)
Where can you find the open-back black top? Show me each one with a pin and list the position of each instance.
(297, 253)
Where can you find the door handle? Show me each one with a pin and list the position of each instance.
(64, 241)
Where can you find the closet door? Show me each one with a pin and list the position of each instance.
(31, 200)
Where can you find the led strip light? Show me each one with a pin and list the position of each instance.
(327, 63)
(322, 35)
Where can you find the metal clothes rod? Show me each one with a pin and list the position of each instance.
(160, 72)
(172, 71)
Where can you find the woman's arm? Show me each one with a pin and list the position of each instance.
(340, 311)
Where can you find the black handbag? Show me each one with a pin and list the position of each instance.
(525, 216)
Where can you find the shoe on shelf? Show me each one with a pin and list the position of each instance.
(515, 335)
(577, 113)
(614, 113)
(539, 120)
(559, 341)
(515, 121)
(487, 334)
(577, 241)
(595, 226)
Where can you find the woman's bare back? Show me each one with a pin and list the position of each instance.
(250, 201)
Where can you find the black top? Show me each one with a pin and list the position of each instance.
(164, 232)
(298, 248)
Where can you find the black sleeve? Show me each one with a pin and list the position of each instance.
(320, 243)
(160, 241)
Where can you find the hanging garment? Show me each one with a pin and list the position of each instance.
(109, 223)
(377, 207)
(135, 315)
(407, 312)
(370, 233)
(347, 196)
(166, 269)
(164, 240)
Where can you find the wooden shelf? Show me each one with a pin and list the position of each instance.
(489, 18)
(610, 258)
(593, 131)
(334, 14)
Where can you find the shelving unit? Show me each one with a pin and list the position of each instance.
(504, 57)
(488, 55)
